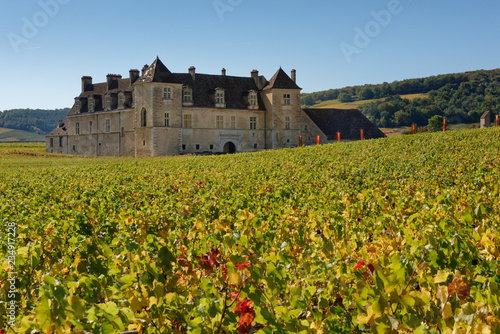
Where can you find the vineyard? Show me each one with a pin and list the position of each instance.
(395, 235)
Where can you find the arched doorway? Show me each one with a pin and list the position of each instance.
(229, 147)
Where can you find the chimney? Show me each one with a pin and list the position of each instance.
(294, 75)
(255, 76)
(224, 72)
(192, 71)
(86, 84)
(144, 69)
(134, 75)
(112, 80)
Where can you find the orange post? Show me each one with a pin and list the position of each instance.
(362, 134)
(300, 141)
(338, 137)
(414, 128)
(444, 124)
(497, 120)
(318, 140)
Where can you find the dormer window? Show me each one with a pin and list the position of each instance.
(107, 102)
(187, 96)
(252, 100)
(91, 104)
(78, 106)
(220, 98)
(167, 93)
(121, 100)
(286, 99)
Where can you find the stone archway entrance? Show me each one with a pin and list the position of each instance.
(229, 147)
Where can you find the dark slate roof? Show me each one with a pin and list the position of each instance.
(347, 122)
(281, 80)
(204, 85)
(59, 131)
(100, 89)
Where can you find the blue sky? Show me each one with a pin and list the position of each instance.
(46, 46)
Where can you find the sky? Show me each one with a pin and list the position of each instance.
(46, 46)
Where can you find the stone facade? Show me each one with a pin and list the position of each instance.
(162, 113)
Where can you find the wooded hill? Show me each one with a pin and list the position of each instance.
(461, 98)
(32, 120)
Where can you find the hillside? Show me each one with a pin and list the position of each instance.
(12, 135)
(461, 98)
(395, 235)
(32, 120)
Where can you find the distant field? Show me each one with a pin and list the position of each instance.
(12, 135)
(354, 105)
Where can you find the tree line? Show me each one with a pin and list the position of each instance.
(32, 120)
(461, 98)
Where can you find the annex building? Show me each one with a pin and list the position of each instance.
(157, 112)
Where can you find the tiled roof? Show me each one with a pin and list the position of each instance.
(281, 80)
(157, 72)
(347, 122)
(59, 131)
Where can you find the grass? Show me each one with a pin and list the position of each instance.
(356, 104)
(12, 135)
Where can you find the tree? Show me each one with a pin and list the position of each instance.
(344, 97)
(366, 93)
(435, 123)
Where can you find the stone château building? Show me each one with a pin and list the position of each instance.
(158, 112)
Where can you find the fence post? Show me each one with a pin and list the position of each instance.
(338, 137)
(362, 134)
(318, 140)
(414, 128)
(444, 124)
(300, 141)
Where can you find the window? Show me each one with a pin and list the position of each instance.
(77, 128)
(219, 122)
(255, 145)
(108, 125)
(144, 117)
(60, 141)
(211, 146)
(123, 131)
(197, 146)
(183, 147)
(220, 99)
(252, 99)
(306, 128)
(74, 148)
(233, 122)
(91, 127)
(51, 142)
(287, 122)
(167, 93)
(187, 95)
(253, 123)
(187, 121)
(143, 143)
(286, 99)
(167, 119)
